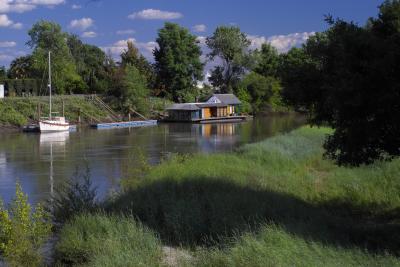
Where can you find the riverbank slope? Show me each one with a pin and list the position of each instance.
(274, 203)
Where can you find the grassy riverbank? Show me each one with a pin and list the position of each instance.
(274, 203)
(19, 111)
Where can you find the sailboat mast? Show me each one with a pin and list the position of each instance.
(50, 84)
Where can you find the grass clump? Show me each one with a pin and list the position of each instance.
(101, 240)
(274, 247)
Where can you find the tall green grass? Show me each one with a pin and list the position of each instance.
(100, 240)
(274, 203)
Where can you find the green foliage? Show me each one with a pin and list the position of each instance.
(100, 240)
(267, 61)
(10, 116)
(90, 64)
(346, 77)
(75, 197)
(232, 46)
(19, 111)
(3, 73)
(23, 231)
(22, 68)
(260, 89)
(130, 90)
(178, 64)
(131, 56)
(47, 36)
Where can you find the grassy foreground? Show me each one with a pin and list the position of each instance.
(274, 203)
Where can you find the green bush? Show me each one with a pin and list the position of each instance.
(23, 231)
(100, 240)
(74, 197)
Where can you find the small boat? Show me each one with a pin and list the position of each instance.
(52, 123)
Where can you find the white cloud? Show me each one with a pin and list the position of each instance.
(21, 6)
(74, 6)
(155, 14)
(8, 55)
(5, 57)
(6, 22)
(146, 48)
(199, 28)
(7, 44)
(282, 43)
(89, 34)
(17, 26)
(125, 32)
(81, 24)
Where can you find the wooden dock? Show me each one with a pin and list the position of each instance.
(124, 124)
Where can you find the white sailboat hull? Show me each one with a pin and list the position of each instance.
(53, 126)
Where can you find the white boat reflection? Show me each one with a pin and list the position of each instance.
(55, 139)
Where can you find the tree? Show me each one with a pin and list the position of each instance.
(90, 64)
(132, 56)
(178, 64)
(3, 73)
(130, 90)
(348, 79)
(300, 78)
(260, 89)
(232, 47)
(47, 36)
(267, 61)
(21, 68)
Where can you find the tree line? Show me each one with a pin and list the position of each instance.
(175, 73)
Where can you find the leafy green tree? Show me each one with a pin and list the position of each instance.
(22, 68)
(132, 56)
(260, 89)
(178, 64)
(267, 61)
(47, 36)
(300, 78)
(348, 79)
(130, 90)
(90, 64)
(231, 46)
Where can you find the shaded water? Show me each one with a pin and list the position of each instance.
(40, 162)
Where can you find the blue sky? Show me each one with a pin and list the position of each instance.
(109, 23)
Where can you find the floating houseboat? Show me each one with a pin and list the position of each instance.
(219, 108)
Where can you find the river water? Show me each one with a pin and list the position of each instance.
(41, 162)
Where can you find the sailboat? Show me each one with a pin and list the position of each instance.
(52, 123)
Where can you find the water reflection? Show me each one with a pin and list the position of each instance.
(48, 143)
(42, 162)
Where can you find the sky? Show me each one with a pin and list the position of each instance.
(110, 23)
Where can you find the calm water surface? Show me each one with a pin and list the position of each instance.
(32, 158)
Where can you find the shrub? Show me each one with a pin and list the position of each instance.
(23, 231)
(100, 240)
(76, 196)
